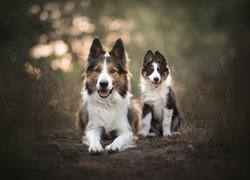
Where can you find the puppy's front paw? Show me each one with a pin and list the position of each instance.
(152, 134)
(114, 147)
(95, 148)
(176, 133)
(143, 133)
(167, 134)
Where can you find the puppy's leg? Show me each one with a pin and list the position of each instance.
(93, 137)
(166, 123)
(146, 121)
(123, 141)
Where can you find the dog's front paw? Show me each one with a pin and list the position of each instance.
(114, 147)
(95, 148)
(167, 134)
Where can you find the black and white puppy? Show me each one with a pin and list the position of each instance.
(107, 109)
(160, 113)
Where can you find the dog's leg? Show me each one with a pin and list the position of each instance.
(166, 123)
(123, 141)
(146, 121)
(93, 138)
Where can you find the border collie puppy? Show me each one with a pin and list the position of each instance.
(107, 109)
(160, 113)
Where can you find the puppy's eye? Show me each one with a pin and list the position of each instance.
(113, 71)
(97, 69)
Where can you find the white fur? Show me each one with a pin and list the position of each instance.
(155, 73)
(166, 123)
(111, 114)
(105, 76)
(146, 123)
(122, 142)
(156, 98)
(93, 139)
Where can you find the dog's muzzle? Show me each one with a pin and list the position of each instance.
(104, 91)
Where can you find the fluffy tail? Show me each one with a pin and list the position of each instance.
(177, 121)
(81, 118)
(134, 116)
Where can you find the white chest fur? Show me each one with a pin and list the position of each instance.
(155, 97)
(108, 113)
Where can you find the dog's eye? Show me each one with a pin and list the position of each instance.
(97, 70)
(113, 71)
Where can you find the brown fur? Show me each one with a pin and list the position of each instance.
(134, 116)
(118, 70)
(82, 117)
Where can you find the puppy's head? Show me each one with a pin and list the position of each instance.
(106, 73)
(155, 68)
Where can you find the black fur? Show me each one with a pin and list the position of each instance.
(163, 70)
(146, 109)
(96, 49)
(149, 68)
(118, 57)
(118, 52)
(171, 104)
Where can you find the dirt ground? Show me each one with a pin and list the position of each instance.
(62, 156)
(57, 151)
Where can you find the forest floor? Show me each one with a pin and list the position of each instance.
(58, 153)
(62, 156)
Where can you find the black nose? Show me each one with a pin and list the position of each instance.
(156, 79)
(104, 83)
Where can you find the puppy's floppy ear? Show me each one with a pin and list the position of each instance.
(96, 49)
(148, 57)
(159, 57)
(118, 52)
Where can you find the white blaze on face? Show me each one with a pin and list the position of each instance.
(104, 77)
(155, 77)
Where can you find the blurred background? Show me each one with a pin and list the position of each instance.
(44, 45)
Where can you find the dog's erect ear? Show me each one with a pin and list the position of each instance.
(148, 57)
(118, 52)
(159, 57)
(96, 49)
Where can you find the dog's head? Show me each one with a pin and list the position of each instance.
(107, 73)
(155, 68)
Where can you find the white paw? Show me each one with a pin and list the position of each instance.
(95, 148)
(167, 134)
(143, 133)
(176, 133)
(152, 134)
(114, 147)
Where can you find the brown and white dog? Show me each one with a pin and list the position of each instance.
(107, 109)
(160, 113)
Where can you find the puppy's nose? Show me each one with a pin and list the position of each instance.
(104, 83)
(156, 79)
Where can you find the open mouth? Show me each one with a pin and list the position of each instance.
(104, 92)
(155, 84)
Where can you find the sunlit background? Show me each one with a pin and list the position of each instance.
(195, 49)
(44, 46)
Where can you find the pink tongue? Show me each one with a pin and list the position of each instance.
(155, 84)
(104, 93)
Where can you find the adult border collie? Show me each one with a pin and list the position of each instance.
(160, 113)
(107, 109)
